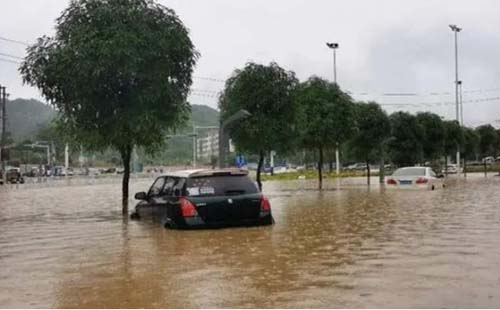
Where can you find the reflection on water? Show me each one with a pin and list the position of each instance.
(352, 247)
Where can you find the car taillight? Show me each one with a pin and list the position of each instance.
(391, 181)
(187, 208)
(264, 204)
(421, 181)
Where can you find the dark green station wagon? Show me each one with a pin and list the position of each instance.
(204, 199)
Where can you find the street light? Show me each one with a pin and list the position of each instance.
(456, 30)
(241, 114)
(334, 47)
(461, 103)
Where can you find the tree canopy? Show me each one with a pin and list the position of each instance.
(487, 138)
(406, 145)
(118, 71)
(266, 92)
(373, 128)
(327, 116)
(433, 135)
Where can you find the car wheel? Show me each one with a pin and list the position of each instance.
(135, 216)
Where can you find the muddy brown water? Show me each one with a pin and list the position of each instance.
(68, 246)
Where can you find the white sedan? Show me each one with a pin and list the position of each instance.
(414, 177)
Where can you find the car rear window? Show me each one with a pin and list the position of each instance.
(226, 185)
(410, 172)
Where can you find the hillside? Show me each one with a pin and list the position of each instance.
(25, 117)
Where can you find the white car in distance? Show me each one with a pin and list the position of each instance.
(414, 177)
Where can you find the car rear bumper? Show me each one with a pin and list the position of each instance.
(198, 223)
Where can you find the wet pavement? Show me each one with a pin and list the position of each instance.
(346, 246)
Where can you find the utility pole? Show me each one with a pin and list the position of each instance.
(456, 30)
(334, 47)
(461, 103)
(194, 146)
(66, 157)
(3, 102)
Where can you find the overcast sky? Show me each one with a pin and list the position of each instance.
(385, 47)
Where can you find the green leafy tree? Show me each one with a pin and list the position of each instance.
(433, 135)
(407, 135)
(118, 71)
(373, 128)
(327, 116)
(470, 146)
(266, 92)
(487, 138)
(453, 139)
(496, 150)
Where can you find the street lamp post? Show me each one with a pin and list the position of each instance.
(456, 30)
(461, 103)
(334, 47)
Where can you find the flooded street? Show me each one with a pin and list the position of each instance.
(69, 247)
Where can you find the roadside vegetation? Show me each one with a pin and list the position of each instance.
(123, 86)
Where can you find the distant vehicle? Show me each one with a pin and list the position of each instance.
(356, 167)
(60, 171)
(93, 172)
(415, 177)
(488, 160)
(108, 170)
(13, 175)
(204, 199)
(451, 168)
(32, 172)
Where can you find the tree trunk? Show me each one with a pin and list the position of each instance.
(465, 168)
(484, 165)
(320, 168)
(381, 171)
(331, 154)
(446, 165)
(259, 168)
(125, 154)
(368, 172)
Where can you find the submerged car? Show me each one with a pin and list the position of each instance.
(415, 177)
(204, 199)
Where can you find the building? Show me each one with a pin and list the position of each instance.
(208, 145)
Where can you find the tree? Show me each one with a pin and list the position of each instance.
(265, 92)
(470, 145)
(453, 139)
(433, 135)
(327, 116)
(407, 135)
(118, 71)
(487, 138)
(373, 128)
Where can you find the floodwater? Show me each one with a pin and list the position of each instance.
(69, 247)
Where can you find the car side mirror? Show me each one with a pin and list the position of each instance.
(141, 196)
(177, 192)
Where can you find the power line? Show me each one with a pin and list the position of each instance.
(11, 56)
(14, 41)
(10, 61)
(209, 79)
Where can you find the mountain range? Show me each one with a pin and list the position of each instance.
(25, 117)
